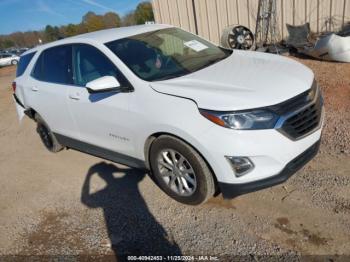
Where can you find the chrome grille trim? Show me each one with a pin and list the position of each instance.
(302, 121)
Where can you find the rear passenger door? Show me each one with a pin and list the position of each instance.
(102, 118)
(47, 89)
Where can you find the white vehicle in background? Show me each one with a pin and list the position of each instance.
(8, 59)
(201, 118)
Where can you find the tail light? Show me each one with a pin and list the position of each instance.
(14, 86)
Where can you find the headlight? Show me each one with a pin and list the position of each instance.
(255, 119)
(313, 91)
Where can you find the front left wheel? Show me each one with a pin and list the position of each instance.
(180, 171)
(14, 62)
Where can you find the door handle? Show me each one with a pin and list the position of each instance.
(35, 89)
(74, 96)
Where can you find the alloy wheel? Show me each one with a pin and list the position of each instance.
(177, 172)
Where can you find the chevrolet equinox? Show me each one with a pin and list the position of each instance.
(201, 118)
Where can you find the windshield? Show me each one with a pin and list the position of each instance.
(166, 53)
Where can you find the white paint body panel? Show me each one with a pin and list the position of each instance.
(244, 80)
(124, 121)
(20, 111)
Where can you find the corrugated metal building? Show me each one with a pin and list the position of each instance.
(209, 17)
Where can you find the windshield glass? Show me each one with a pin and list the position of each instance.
(166, 53)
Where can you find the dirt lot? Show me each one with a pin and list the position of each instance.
(71, 203)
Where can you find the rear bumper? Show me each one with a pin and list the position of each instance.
(17, 101)
(233, 190)
(21, 111)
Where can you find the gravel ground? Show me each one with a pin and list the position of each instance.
(75, 204)
(334, 79)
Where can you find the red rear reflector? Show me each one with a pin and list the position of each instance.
(14, 86)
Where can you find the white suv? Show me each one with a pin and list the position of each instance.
(201, 118)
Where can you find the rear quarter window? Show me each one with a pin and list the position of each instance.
(23, 63)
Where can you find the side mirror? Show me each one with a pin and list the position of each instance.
(103, 84)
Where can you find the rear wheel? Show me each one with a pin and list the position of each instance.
(180, 171)
(47, 137)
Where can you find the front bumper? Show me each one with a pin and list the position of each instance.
(233, 190)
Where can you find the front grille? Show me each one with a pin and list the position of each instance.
(291, 104)
(305, 120)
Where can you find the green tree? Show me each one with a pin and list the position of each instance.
(111, 20)
(51, 33)
(129, 19)
(18, 38)
(71, 30)
(30, 39)
(7, 43)
(92, 22)
(144, 13)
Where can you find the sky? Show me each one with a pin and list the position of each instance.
(24, 15)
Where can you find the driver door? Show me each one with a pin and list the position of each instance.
(102, 118)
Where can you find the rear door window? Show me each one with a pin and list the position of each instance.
(23, 63)
(54, 65)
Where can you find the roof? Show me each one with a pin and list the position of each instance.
(107, 35)
(104, 36)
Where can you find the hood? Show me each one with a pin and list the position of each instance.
(244, 80)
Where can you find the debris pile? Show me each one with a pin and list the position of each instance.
(330, 46)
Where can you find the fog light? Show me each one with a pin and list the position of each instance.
(240, 165)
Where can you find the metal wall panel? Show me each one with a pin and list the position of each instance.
(233, 12)
(280, 25)
(339, 14)
(253, 9)
(288, 17)
(324, 14)
(243, 12)
(222, 10)
(213, 20)
(299, 12)
(184, 15)
(202, 18)
(212, 16)
(312, 12)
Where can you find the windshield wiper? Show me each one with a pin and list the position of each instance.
(210, 62)
(171, 76)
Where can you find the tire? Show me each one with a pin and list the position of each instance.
(14, 62)
(47, 137)
(172, 177)
(230, 35)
